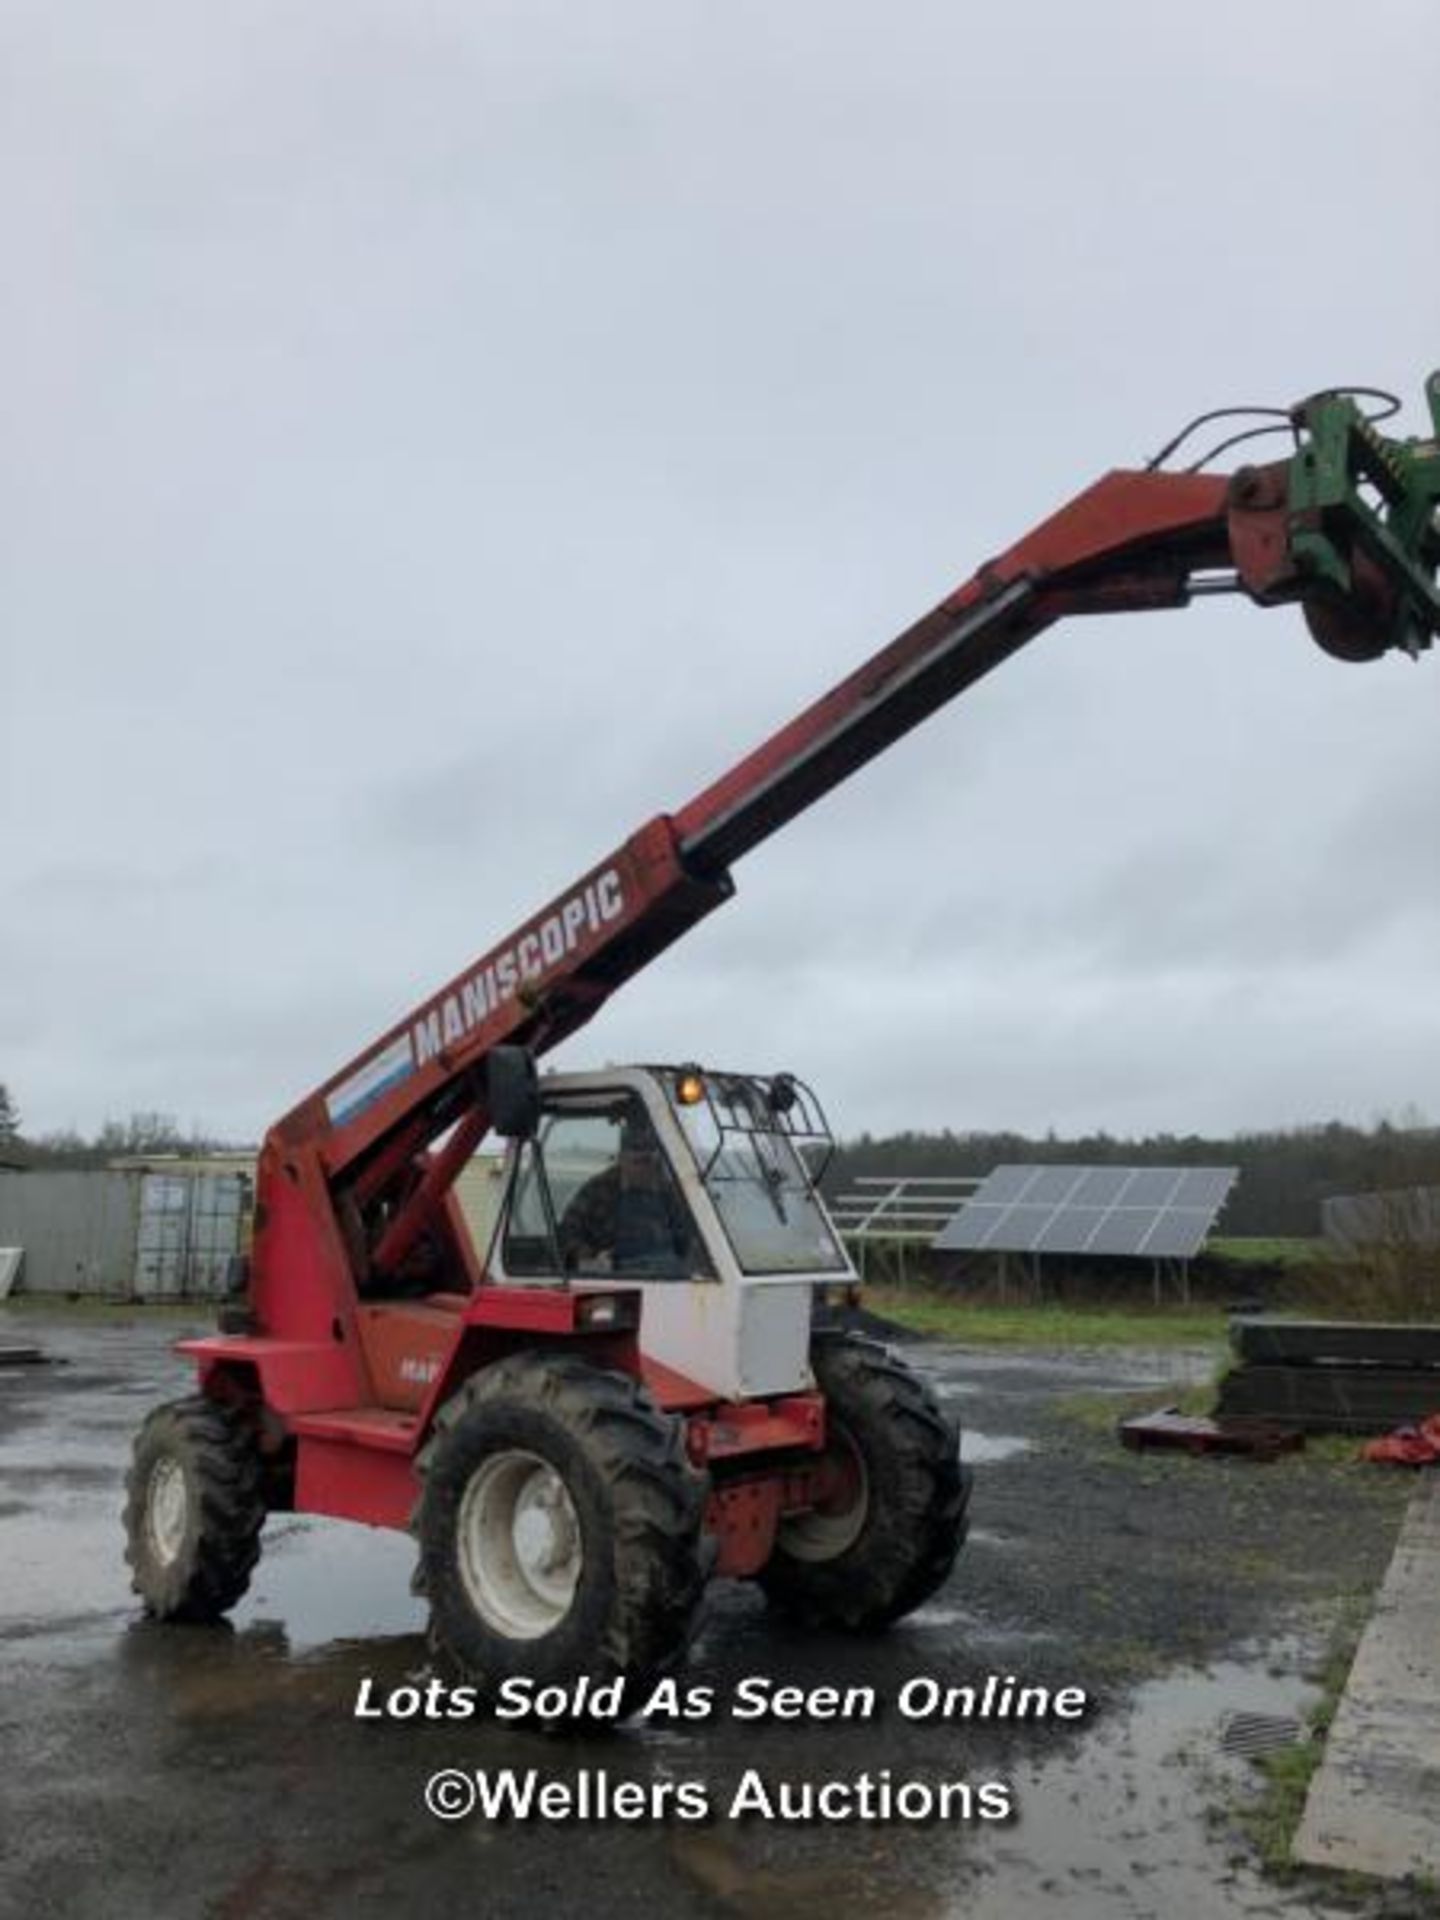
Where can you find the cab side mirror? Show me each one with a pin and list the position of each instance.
(512, 1092)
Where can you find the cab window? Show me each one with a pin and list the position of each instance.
(594, 1196)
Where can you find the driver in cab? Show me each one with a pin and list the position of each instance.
(627, 1218)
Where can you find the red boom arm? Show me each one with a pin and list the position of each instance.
(355, 1149)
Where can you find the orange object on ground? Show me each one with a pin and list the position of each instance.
(1417, 1446)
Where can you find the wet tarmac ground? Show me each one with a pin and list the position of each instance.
(221, 1772)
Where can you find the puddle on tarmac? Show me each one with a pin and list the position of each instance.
(56, 1450)
(65, 1582)
(209, 1674)
(1092, 1370)
(1119, 1831)
(715, 1861)
(978, 1632)
(332, 1580)
(981, 1448)
(68, 1559)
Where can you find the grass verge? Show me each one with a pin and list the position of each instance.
(1274, 1251)
(1269, 1821)
(1048, 1326)
(61, 1306)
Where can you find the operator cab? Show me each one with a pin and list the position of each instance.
(697, 1188)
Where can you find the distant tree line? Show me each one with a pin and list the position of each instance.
(139, 1133)
(1284, 1175)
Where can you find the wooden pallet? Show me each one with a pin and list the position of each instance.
(1190, 1434)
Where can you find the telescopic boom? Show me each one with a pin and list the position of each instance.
(1346, 526)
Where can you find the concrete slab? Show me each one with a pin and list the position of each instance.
(1374, 1805)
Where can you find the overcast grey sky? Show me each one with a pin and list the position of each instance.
(438, 437)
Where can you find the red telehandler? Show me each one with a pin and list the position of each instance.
(634, 1387)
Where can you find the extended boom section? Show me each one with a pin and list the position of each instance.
(1131, 541)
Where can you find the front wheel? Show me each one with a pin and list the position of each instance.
(888, 1536)
(559, 1526)
(194, 1509)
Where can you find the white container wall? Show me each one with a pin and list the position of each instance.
(127, 1235)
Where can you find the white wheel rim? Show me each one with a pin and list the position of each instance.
(167, 1509)
(519, 1544)
(819, 1535)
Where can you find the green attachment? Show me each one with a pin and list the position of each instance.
(1362, 516)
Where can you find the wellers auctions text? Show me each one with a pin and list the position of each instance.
(756, 1697)
(524, 1795)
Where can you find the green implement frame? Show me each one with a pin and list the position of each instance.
(1362, 518)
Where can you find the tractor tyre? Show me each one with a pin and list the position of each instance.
(559, 1527)
(194, 1508)
(885, 1544)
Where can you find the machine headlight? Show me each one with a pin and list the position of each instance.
(596, 1310)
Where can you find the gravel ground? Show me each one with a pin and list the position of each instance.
(220, 1772)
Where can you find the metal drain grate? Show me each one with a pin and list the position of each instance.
(1255, 1733)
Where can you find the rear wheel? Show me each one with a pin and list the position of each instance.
(193, 1510)
(559, 1527)
(887, 1536)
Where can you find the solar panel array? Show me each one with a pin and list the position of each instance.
(1161, 1213)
